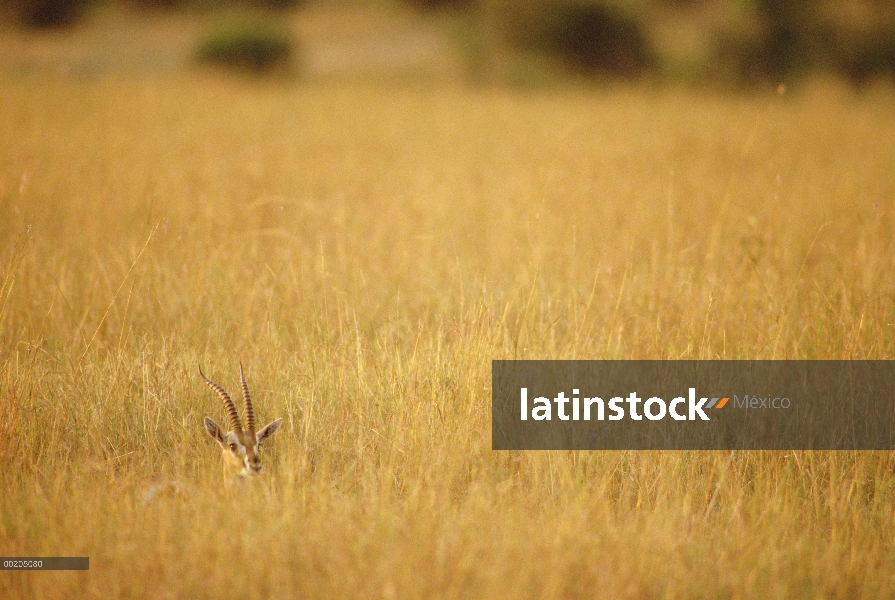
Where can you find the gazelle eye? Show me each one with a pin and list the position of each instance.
(233, 447)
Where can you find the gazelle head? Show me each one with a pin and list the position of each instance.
(240, 446)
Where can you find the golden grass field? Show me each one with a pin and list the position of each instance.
(366, 251)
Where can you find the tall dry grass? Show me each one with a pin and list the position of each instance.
(366, 253)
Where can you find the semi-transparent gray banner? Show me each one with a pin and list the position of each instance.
(44, 563)
(693, 405)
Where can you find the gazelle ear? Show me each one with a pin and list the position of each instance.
(269, 430)
(214, 430)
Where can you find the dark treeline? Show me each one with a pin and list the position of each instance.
(741, 42)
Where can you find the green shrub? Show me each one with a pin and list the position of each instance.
(439, 4)
(249, 44)
(594, 38)
(277, 4)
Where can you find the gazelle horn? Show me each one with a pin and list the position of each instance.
(250, 413)
(228, 403)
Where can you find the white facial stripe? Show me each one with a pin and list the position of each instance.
(240, 458)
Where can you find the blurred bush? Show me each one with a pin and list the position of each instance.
(779, 43)
(738, 43)
(793, 38)
(441, 4)
(868, 57)
(860, 39)
(249, 43)
(158, 4)
(595, 38)
(598, 39)
(211, 5)
(276, 4)
(45, 14)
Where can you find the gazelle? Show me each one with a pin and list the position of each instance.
(240, 446)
